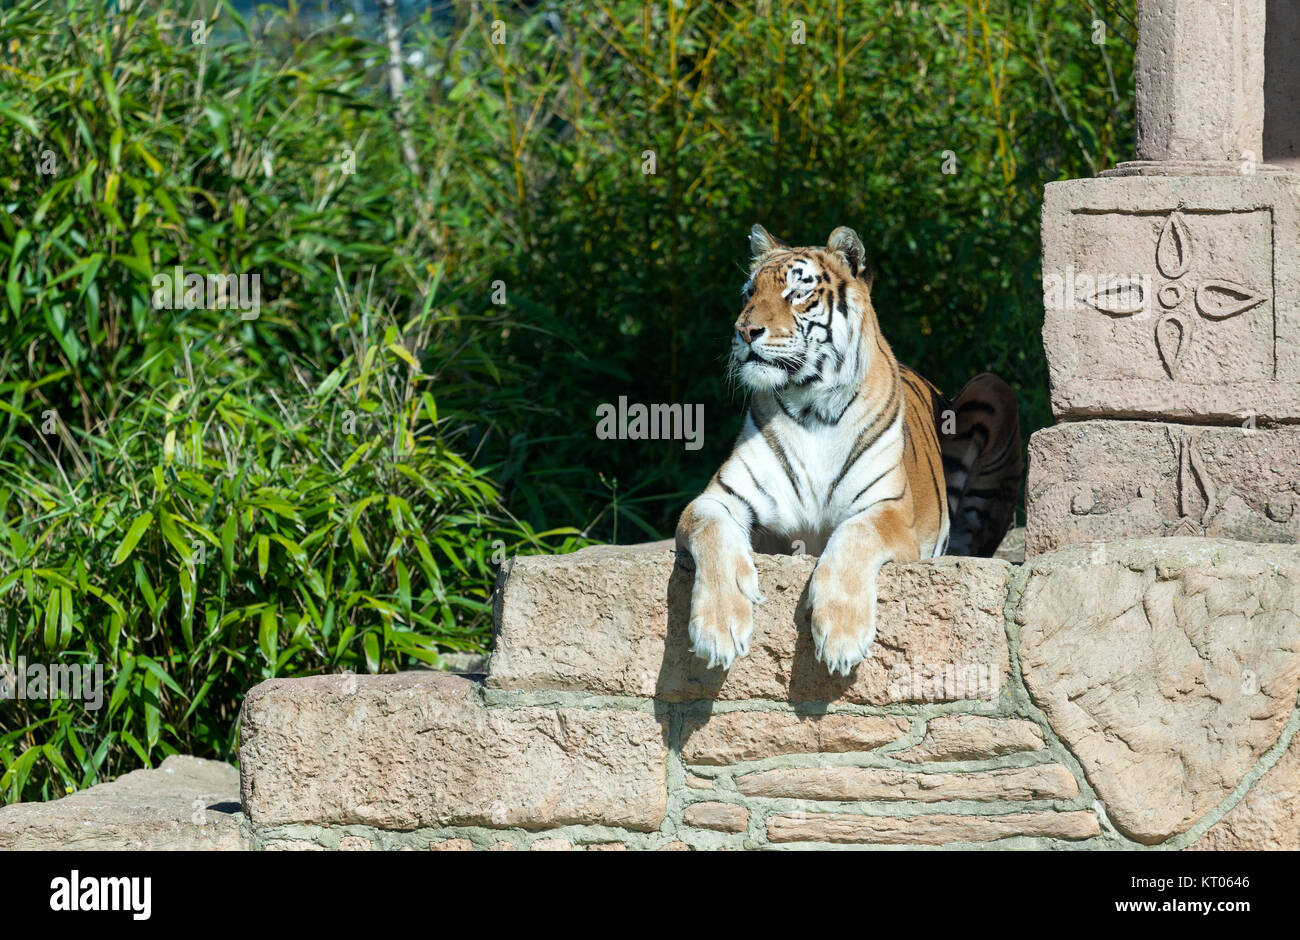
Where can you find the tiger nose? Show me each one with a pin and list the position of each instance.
(748, 332)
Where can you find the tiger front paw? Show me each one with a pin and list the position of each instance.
(722, 612)
(843, 625)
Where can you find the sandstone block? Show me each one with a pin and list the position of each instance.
(732, 737)
(1268, 816)
(452, 845)
(972, 737)
(1108, 480)
(1039, 782)
(928, 830)
(725, 817)
(551, 845)
(186, 804)
(413, 750)
(613, 620)
(1168, 667)
(1173, 297)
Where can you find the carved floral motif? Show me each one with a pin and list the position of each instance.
(1214, 298)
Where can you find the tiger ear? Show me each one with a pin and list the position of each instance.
(761, 241)
(845, 241)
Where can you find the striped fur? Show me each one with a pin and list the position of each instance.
(983, 464)
(839, 456)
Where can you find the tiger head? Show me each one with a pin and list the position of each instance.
(805, 313)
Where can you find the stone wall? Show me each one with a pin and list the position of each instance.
(1119, 695)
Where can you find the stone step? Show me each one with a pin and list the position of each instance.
(186, 804)
(419, 750)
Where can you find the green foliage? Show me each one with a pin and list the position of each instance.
(208, 540)
(200, 501)
(195, 500)
(632, 277)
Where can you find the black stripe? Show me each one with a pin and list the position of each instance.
(869, 486)
(840, 416)
(757, 485)
(774, 445)
(732, 493)
(940, 503)
(1000, 460)
(889, 413)
(887, 499)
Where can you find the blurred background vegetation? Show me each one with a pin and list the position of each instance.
(452, 280)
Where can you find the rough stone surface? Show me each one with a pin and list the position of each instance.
(607, 847)
(294, 845)
(1173, 297)
(928, 830)
(732, 737)
(972, 737)
(1038, 782)
(551, 845)
(725, 817)
(698, 783)
(452, 845)
(187, 803)
(1200, 80)
(419, 749)
(1167, 666)
(613, 620)
(1110, 480)
(1268, 816)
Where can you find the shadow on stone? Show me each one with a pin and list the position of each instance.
(675, 671)
(812, 687)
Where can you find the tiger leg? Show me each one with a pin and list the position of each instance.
(842, 592)
(726, 581)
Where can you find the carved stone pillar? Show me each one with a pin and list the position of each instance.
(1172, 294)
(1200, 83)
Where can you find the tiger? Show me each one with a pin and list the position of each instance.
(843, 453)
